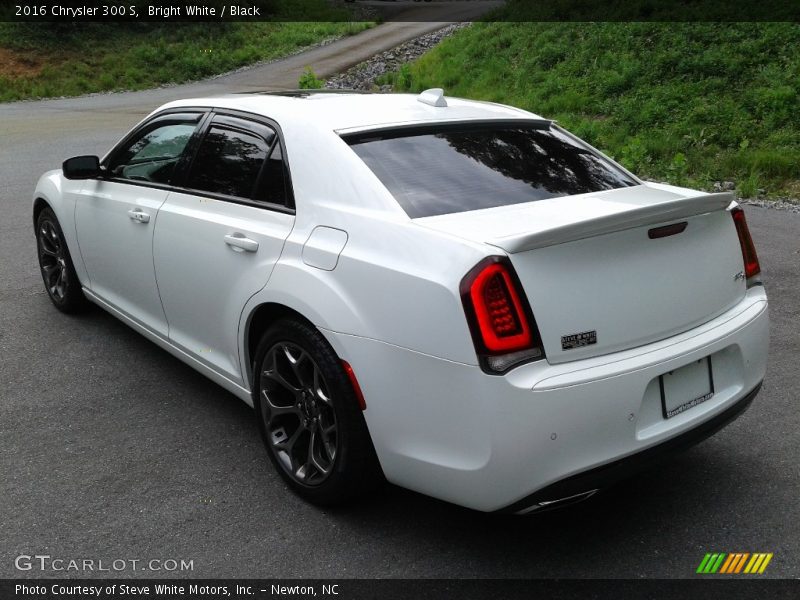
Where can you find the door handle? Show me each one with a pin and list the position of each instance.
(138, 215)
(239, 242)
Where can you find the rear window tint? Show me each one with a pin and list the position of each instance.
(228, 162)
(456, 169)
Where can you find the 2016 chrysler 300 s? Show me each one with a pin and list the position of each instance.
(458, 296)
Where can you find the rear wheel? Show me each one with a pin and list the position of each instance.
(55, 263)
(309, 416)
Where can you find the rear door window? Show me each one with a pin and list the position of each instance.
(449, 169)
(273, 184)
(228, 162)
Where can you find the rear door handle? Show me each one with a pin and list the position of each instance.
(138, 215)
(239, 242)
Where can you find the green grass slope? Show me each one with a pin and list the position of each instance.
(690, 103)
(67, 59)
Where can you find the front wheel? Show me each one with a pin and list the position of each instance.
(55, 263)
(309, 416)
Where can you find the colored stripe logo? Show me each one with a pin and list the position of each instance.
(734, 563)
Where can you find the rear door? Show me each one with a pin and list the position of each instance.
(217, 240)
(115, 215)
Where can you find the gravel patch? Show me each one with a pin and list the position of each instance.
(363, 75)
(790, 204)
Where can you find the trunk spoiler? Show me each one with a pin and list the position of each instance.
(660, 212)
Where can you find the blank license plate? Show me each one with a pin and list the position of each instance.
(685, 388)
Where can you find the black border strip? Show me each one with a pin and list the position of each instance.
(439, 11)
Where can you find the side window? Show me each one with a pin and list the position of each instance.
(272, 185)
(228, 162)
(153, 155)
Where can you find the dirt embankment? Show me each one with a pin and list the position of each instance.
(18, 64)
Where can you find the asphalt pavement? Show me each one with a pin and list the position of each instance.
(110, 448)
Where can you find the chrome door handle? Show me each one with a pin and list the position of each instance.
(138, 215)
(238, 242)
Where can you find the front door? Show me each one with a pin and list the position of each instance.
(115, 217)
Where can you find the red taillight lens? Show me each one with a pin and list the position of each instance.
(499, 311)
(500, 319)
(751, 266)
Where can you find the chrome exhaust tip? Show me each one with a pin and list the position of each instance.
(544, 505)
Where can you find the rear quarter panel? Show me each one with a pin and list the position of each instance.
(394, 281)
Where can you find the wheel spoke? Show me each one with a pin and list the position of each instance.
(324, 434)
(54, 280)
(303, 473)
(51, 236)
(49, 245)
(54, 237)
(287, 445)
(318, 391)
(312, 455)
(276, 410)
(49, 271)
(294, 363)
(275, 375)
(59, 287)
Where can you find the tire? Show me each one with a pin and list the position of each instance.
(309, 417)
(56, 266)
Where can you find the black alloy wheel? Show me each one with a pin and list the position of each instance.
(55, 263)
(309, 416)
(298, 412)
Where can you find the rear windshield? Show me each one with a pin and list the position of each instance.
(453, 169)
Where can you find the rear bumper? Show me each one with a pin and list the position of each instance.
(490, 443)
(582, 485)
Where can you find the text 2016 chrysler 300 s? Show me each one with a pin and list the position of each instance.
(458, 296)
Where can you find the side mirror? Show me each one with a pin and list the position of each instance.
(81, 167)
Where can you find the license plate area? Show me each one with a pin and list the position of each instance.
(686, 387)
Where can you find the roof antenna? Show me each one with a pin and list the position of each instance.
(433, 97)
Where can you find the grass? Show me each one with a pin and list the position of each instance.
(688, 103)
(64, 60)
(309, 80)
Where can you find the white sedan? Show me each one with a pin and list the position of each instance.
(459, 297)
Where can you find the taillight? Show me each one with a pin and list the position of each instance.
(751, 266)
(500, 320)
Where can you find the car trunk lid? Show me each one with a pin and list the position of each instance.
(604, 272)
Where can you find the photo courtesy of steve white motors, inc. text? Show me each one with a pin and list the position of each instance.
(171, 589)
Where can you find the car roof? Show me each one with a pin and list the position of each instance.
(343, 111)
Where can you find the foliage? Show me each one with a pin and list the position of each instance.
(309, 81)
(691, 103)
(66, 59)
